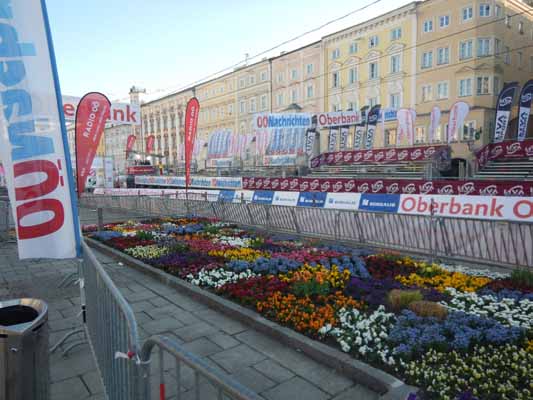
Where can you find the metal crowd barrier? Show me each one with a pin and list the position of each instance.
(498, 243)
(110, 328)
(187, 371)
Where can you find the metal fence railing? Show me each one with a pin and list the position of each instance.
(186, 371)
(499, 243)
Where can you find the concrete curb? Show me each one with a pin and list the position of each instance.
(379, 381)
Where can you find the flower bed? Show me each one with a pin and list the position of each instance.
(455, 332)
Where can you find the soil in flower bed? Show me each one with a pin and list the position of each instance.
(455, 333)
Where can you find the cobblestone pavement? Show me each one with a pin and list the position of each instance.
(273, 370)
(72, 377)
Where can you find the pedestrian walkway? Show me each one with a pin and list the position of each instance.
(271, 369)
(76, 376)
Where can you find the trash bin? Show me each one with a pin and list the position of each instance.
(24, 355)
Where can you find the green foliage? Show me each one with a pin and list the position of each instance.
(310, 288)
(522, 277)
(400, 299)
(144, 235)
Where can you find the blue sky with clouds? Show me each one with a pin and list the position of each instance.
(110, 45)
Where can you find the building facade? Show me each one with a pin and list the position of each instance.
(297, 80)
(421, 55)
(466, 53)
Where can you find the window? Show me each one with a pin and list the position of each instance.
(373, 41)
(428, 26)
(251, 80)
(310, 91)
(309, 69)
(497, 10)
(496, 85)
(465, 87)
(396, 34)
(352, 106)
(230, 109)
(280, 77)
(508, 20)
(467, 13)
(521, 27)
(242, 83)
(484, 10)
(443, 55)
(465, 49)
(427, 59)
(335, 80)
(373, 70)
(242, 107)
(482, 85)
(519, 58)
(469, 129)
(263, 76)
(395, 64)
(334, 107)
(335, 54)
(483, 47)
(427, 94)
(442, 90)
(264, 104)
(394, 100)
(507, 55)
(253, 105)
(294, 95)
(353, 48)
(372, 101)
(280, 99)
(352, 75)
(294, 74)
(497, 47)
(444, 21)
(420, 134)
(390, 137)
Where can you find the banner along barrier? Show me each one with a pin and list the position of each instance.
(391, 186)
(495, 208)
(484, 241)
(505, 150)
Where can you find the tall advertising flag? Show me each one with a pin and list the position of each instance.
(456, 120)
(332, 144)
(434, 121)
(360, 130)
(371, 125)
(525, 108)
(130, 142)
(150, 141)
(503, 111)
(344, 137)
(191, 123)
(91, 117)
(33, 137)
(402, 116)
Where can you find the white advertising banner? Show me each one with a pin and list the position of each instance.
(285, 198)
(476, 207)
(33, 139)
(120, 113)
(339, 118)
(456, 121)
(434, 121)
(343, 201)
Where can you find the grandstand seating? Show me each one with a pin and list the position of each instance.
(411, 170)
(502, 169)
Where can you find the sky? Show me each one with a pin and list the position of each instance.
(165, 45)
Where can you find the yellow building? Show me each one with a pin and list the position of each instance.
(163, 118)
(466, 52)
(372, 63)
